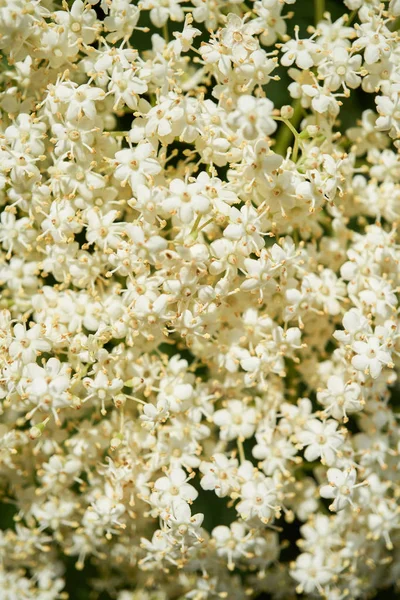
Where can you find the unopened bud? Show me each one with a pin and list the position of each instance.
(119, 400)
(313, 130)
(116, 441)
(287, 111)
(37, 430)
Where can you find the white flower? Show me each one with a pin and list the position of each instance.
(104, 512)
(355, 325)
(160, 12)
(166, 120)
(81, 100)
(322, 100)
(304, 52)
(172, 487)
(28, 344)
(340, 487)
(388, 109)
(238, 36)
(101, 229)
(311, 572)
(185, 200)
(154, 414)
(259, 500)
(382, 520)
(46, 387)
(79, 21)
(252, 117)
(341, 70)
(219, 475)
(275, 453)
(232, 542)
(135, 166)
(102, 387)
(235, 421)
(183, 526)
(341, 398)
(126, 87)
(245, 226)
(371, 356)
(374, 40)
(322, 440)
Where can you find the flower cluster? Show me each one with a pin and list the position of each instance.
(199, 325)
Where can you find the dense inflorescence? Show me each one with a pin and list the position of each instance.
(199, 325)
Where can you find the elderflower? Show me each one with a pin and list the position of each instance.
(199, 308)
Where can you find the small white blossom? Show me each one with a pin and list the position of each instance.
(340, 488)
(321, 439)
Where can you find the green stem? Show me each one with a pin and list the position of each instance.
(117, 134)
(166, 32)
(205, 224)
(295, 152)
(288, 130)
(193, 231)
(242, 456)
(319, 9)
(288, 124)
(351, 18)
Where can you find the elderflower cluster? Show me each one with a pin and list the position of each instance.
(199, 332)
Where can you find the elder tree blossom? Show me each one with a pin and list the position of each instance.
(199, 333)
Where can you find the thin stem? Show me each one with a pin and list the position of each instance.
(319, 9)
(135, 399)
(205, 224)
(166, 32)
(193, 231)
(287, 131)
(351, 18)
(295, 150)
(288, 124)
(241, 451)
(196, 228)
(117, 133)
